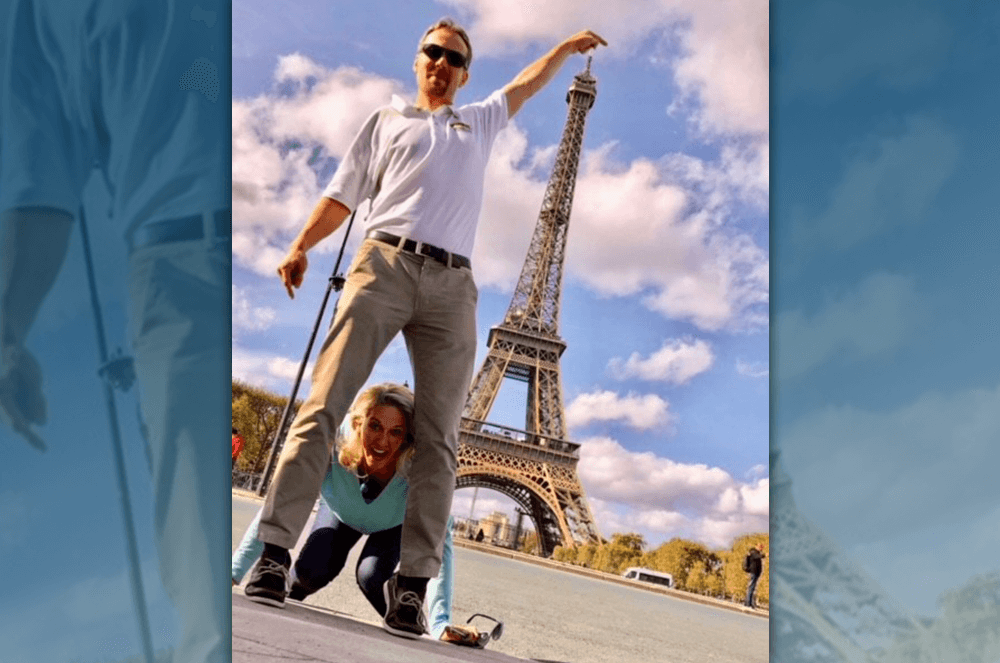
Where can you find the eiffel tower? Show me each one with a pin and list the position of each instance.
(824, 609)
(536, 466)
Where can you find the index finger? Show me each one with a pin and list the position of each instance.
(598, 37)
(286, 280)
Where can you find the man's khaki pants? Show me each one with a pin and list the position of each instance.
(387, 291)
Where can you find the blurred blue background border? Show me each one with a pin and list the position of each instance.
(885, 512)
(119, 110)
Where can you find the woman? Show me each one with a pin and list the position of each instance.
(364, 492)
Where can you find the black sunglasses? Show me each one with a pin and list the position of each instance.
(434, 52)
(492, 635)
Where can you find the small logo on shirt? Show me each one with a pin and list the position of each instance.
(461, 126)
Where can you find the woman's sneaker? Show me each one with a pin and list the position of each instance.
(404, 615)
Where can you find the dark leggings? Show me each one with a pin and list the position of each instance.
(325, 553)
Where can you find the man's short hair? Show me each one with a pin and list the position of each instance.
(449, 24)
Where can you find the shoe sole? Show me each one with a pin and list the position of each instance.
(385, 626)
(266, 600)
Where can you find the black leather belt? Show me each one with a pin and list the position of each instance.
(421, 249)
(184, 229)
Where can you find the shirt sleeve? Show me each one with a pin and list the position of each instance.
(47, 153)
(357, 175)
(491, 116)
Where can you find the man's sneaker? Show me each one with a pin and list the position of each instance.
(268, 583)
(404, 615)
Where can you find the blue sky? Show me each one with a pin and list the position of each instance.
(666, 291)
(885, 298)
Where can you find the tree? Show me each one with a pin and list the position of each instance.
(565, 554)
(677, 557)
(623, 551)
(256, 414)
(530, 543)
(585, 555)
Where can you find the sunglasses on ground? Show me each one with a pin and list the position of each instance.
(492, 635)
(434, 52)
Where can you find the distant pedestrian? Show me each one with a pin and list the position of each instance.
(238, 444)
(754, 566)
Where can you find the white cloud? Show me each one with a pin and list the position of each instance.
(677, 361)
(613, 473)
(865, 475)
(281, 140)
(276, 372)
(723, 61)
(268, 370)
(661, 231)
(752, 369)
(873, 320)
(246, 316)
(639, 412)
(664, 230)
(888, 186)
(725, 65)
(660, 498)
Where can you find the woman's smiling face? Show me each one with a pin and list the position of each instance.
(383, 433)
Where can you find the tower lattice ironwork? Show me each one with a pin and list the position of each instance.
(535, 466)
(824, 609)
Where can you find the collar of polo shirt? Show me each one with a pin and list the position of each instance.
(409, 110)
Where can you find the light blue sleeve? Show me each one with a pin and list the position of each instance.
(440, 588)
(249, 550)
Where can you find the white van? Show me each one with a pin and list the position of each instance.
(648, 575)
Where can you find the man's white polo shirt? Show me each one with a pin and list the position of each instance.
(424, 170)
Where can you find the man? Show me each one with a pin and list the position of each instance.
(422, 166)
(143, 109)
(754, 566)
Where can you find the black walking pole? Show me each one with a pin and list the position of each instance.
(335, 282)
(118, 372)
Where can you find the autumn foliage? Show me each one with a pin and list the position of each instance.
(693, 565)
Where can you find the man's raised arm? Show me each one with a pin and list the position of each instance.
(326, 217)
(536, 75)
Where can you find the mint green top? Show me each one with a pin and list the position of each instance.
(340, 492)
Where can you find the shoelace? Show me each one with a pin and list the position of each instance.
(410, 599)
(272, 567)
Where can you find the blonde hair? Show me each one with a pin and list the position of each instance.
(449, 24)
(349, 445)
